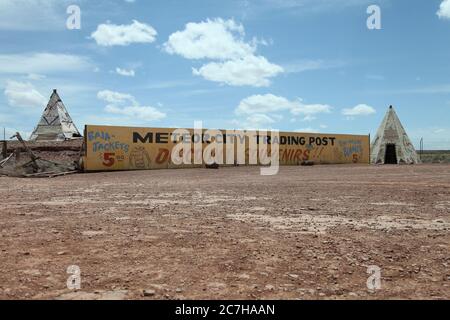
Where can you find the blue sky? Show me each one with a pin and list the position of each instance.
(307, 65)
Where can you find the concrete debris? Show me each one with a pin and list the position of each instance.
(149, 293)
(4, 161)
(35, 160)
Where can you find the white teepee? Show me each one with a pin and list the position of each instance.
(56, 123)
(391, 144)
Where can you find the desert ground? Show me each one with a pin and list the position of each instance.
(306, 233)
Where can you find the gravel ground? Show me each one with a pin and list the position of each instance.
(307, 233)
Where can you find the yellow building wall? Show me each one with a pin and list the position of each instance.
(127, 148)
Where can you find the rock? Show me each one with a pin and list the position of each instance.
(61, 253)
(90, 233)
(293, 276)
(178, 290)
(339, 292)
(149, 293)
(98, 295)
(33, 272)
(113, 295)
(269, 287)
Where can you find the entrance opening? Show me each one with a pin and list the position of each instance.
(391, 154)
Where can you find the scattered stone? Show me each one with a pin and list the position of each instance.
(33, 272)
(149, 293)
(92, 233)
(97, 295)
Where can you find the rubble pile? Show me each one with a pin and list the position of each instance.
(36, 160)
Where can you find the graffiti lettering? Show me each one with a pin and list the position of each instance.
(294, 155)
(110, 146)
(163, 156)
(321, 141)
(121, 148)
(164, 138)
(138, 138)
(98, 135)
(108, 159)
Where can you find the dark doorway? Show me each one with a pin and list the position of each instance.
(391, 154)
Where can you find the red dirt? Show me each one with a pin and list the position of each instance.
(307, 233)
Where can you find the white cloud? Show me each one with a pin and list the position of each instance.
(444, 10)
(251, 71)
(310, 109)
(259, 111)
(309, 118)
(439, 130)
(310, 65)
(36, 63)
(256, 121)
(264, 104)
(359, 110)
(125, 72)
(126, 105)
(234, 61)
(23, 94)
(307, 130)
(212, 39)
(108, 35)
(116, 97)
(314, 5)
(33, 15)
(139, 112)
(35, 76)
(271, 103)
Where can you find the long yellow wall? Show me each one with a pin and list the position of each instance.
(127, 148)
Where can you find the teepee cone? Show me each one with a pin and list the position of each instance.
(55, 123)
(391, 144)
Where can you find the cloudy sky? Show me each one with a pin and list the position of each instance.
(306, 65)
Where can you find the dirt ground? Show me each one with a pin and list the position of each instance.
(307, 233)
